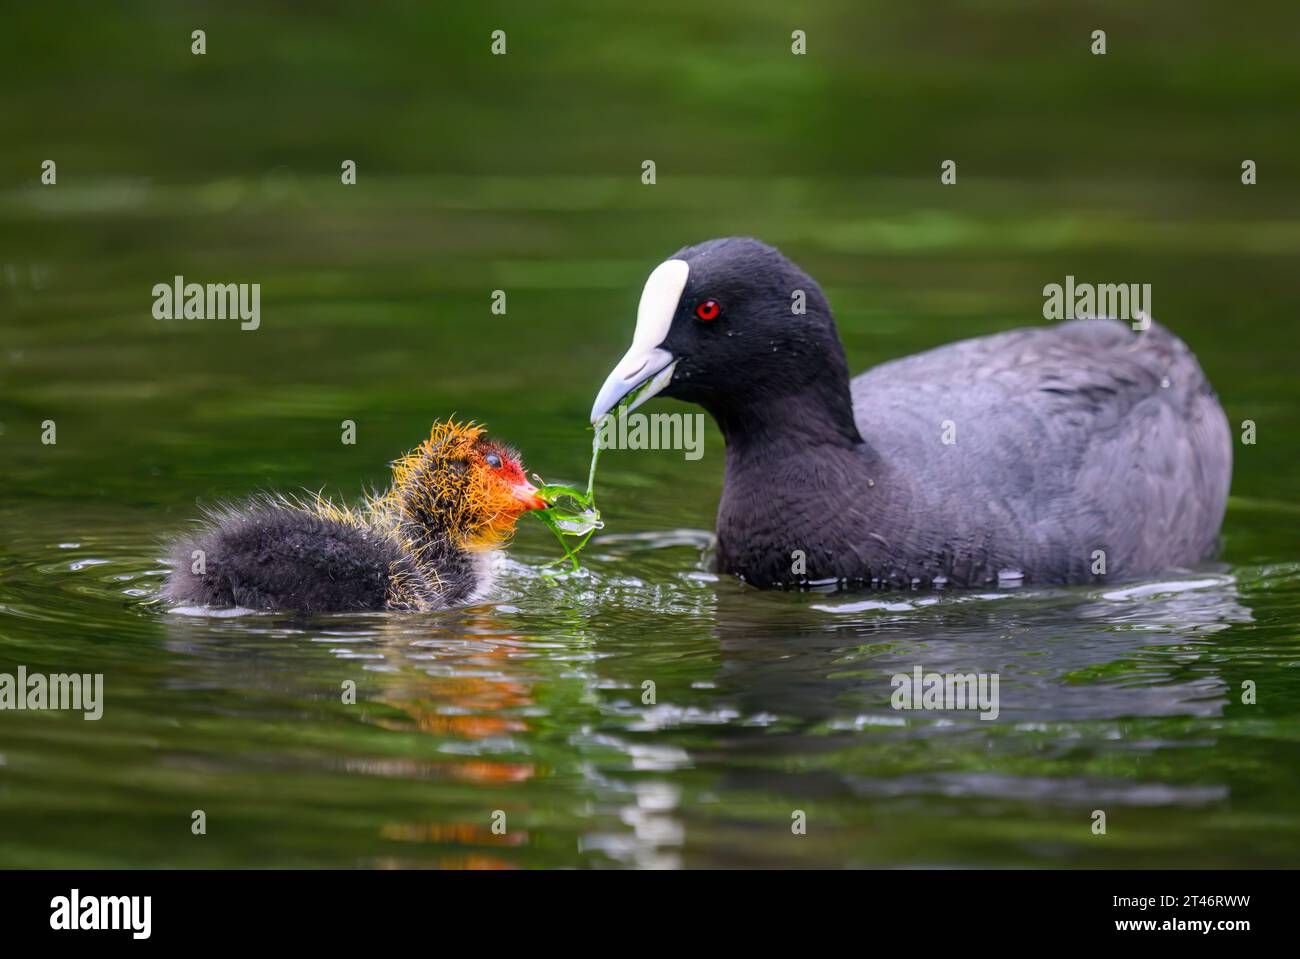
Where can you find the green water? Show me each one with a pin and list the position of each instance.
(523, 173)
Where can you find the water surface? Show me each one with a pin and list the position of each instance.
(1126, 698)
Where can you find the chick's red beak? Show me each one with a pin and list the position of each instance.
(525, 494)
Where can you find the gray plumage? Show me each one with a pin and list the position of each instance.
(1066, 440)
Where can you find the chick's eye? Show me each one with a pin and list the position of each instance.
(493, 461)
(709, 310)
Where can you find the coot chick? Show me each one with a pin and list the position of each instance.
(1056, 454)
(425, 543)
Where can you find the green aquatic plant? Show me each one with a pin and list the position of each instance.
(581, 520)
(573, 513)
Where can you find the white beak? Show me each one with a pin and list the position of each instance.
(646, 363)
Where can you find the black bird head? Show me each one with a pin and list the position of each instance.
(734, 326)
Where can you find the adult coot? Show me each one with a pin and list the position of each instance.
(1055, 454)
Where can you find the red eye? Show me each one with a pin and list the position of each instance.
(709, 310)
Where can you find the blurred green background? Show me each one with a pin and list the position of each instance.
(523, 173)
